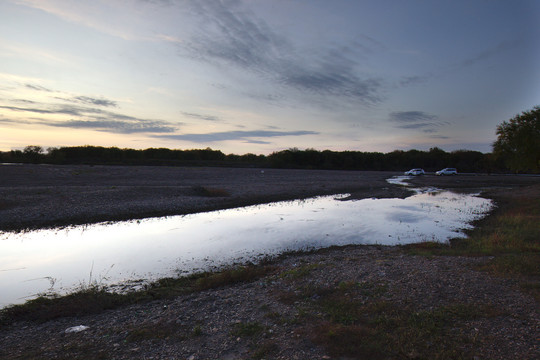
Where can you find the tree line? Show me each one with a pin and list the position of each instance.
(434, 159)
(516, 150)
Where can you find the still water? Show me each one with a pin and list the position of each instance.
(60, 260)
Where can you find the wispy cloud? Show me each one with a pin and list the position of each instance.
(249, 136)
(202, 117)
(411, 116)
(94, 118)
(232, 35)
(417, 120)
(37, 87)
(117, 126)
(91, 101)
(488, 53)
(413, 80)
(27, 109)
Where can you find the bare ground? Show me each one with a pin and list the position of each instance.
(34, 196)
(278, 315)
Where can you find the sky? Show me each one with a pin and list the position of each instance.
(258, 76)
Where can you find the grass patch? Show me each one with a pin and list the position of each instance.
(160, 330)
(88, 301)
(96, 299)
(428, 248)
(355, 320)
(231, 276)
(381, 331)
(249, 329)
(351, 341)
(299, 272)
(511, 234)
(264, 350)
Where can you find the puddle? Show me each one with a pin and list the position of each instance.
(61, 260)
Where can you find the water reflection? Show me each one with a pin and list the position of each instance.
(61, 259)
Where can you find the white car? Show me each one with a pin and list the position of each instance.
(447, 171)
(415, 172)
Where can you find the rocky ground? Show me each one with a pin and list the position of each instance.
(33, 196)
(279, 315)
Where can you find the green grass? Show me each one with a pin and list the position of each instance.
(96, 299)
(357, 327)
(265, 350)
(300, 271)
(511, 234)
(249, 329)
(88, 301)
(160, 330)
(358, 323)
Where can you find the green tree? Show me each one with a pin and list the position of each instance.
(518, 141)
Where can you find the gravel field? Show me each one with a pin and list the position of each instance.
(34, 196)
(208, 325)
(283, 320)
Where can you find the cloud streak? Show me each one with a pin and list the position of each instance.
(37, 87)
(233, 36)
(489, 53)
(202, 117)
(248, 136)
(95, 118)
(94, 101)
(411, 116)
(116, 126)
(417, 120)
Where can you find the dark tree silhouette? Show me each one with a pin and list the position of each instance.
(518, 142)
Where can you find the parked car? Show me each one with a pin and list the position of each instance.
(415, 172)
(447, 171)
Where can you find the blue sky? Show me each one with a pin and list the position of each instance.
(261, 76)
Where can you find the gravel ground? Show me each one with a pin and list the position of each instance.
(35, 196)
(208, 325)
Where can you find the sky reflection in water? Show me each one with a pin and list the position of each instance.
(62, 259)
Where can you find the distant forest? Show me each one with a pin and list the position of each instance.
(432, 160)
